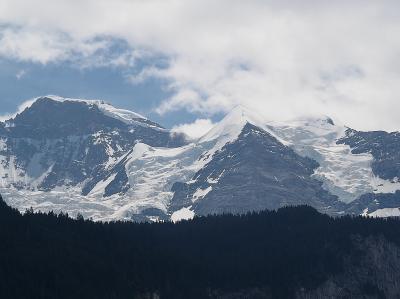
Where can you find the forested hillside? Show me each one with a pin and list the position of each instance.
(291, 252)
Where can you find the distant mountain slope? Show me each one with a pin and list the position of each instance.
(383, 146)
(107, 163)
(56, 148)
(385, 149)
(254, 172)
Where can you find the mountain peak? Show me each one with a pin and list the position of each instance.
(232, 124)
(245, 114)
(123, 115)
(54, 114)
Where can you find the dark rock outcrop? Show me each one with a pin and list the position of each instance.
(255, 172)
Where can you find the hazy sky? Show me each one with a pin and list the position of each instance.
(191, 61)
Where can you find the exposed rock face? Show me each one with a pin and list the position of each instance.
(255, 172)
(50, 119)
(63, 148)
(383, 146)
(373, 203)
(68, 143)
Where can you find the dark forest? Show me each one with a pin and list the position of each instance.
(270, 252)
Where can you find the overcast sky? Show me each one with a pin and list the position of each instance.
(191, 61)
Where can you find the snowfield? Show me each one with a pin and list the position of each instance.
(344, 174)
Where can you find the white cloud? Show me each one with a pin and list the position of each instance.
(195, 129)
(46, 46)
(145, 74)
(282, 58)
(20, 109)
(29, 45)
(20, 74)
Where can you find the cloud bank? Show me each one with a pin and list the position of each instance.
(196, 129)
(281, 58)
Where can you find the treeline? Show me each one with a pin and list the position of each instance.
(54, 256)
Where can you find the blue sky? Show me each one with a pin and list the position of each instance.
(191, 61)
(21, 81)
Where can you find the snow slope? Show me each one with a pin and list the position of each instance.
(386, 212)
(344, 174)
(152, 171)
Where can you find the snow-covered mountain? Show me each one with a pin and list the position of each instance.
(87, 157)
